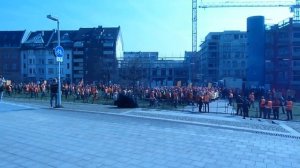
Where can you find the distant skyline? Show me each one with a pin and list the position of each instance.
(164, 26)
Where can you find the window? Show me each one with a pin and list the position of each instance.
(108, 44)
(68, 66)
(163, 72)
(50, 61)
(30, 61)
(24, 66)
(50, 71)
(108, 52)
(24, 56)
(215, 37)
(68, 56)
(5, 67)
(170, 72)
(296, 35)
(14, 66)
(154, 72)
(243, 64)
(234, 64)
(30, 71)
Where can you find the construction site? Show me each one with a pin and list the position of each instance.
(263, 56)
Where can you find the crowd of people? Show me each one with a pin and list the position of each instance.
(174, 96)
(269, 104)
(156, 96)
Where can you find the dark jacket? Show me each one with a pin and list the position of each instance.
(54, 88)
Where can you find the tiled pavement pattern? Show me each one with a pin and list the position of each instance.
(252, 125)
(34, 136)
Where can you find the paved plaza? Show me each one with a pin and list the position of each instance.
(87, 135)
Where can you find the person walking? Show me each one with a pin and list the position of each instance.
(282, 103)
(206, 102)
(200, 103)
(230, 98)
(289, 108)
(53, 93)
(246, 106)
(268, 108)
(239, 104)
(262, 103)
(252, 99)
(276, 105)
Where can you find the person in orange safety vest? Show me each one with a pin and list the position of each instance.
(262, 103)
(268, 108)
(289, 108)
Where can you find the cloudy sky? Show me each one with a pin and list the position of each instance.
(147, 25)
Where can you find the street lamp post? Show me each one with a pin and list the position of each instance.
(58, 44)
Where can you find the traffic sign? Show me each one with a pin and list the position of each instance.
(59, 53)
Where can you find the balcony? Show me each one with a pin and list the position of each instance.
(77, 52)
(78, 60)
(77, 75)
(78, 44)
(78, 68)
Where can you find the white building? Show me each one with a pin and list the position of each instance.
(38, 60)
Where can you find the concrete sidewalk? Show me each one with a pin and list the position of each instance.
(97, 136)
(219, 117)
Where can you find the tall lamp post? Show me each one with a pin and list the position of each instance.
(58, 58)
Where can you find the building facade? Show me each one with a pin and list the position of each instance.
(95, 53)
(283, 55)
(90, 54)
(38, 60)
(10, 49)
(148, 69)
(223, 55)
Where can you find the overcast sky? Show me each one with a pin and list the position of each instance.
(147, 25)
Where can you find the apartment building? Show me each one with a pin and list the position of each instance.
(38, 60)
(90, 54)
(222, 55)
(10, 49)
(95, 53)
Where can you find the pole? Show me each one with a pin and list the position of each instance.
(59, 84)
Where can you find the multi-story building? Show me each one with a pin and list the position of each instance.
(148, 69)
(90, 54)
(10, 48)
(95, 53)
(192, 67)
(38, 60)
(283, 55)
(223, 54)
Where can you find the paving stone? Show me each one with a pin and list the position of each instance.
(51, 138)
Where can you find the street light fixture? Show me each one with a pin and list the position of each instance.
(58, 45)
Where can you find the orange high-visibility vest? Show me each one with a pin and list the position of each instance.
(206, 98)
(269, 104)
(289, 105)
(262, 102)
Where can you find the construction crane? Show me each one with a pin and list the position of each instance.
(194, 25)
(294, 6)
